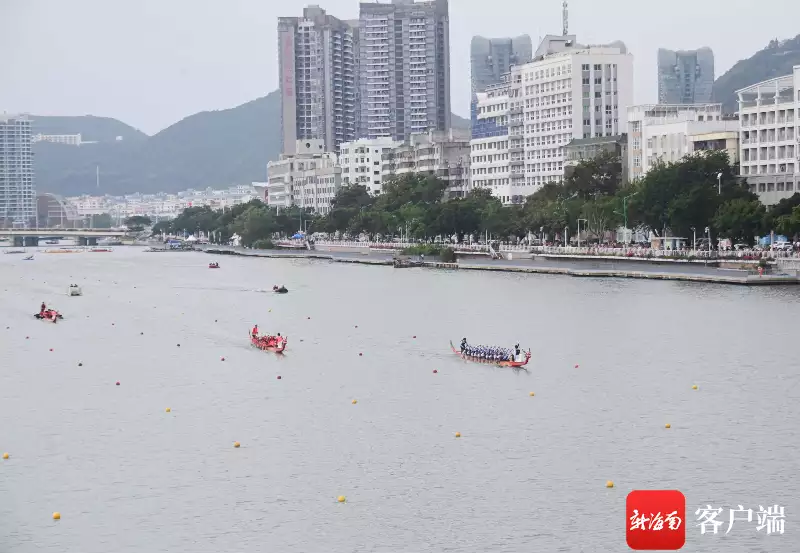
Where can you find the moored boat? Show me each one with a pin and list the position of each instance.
(269, 343)
(500, 363)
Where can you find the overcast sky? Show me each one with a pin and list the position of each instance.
(151, 63)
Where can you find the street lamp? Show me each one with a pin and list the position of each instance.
(579, 229)
(719, 183)
(708, 232)
(694, 238)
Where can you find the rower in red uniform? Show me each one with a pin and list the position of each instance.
(254, 332)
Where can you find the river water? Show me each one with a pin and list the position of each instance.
(613, 362)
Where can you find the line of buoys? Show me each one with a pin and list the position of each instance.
(609, 484)
(5, 455)
(236, 445)
(341, 499)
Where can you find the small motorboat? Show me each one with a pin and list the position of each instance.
(49, 315)
(28, 258)
(499, 363)
(279, 289)
(213, 265)
(75, 290)
(269, 343)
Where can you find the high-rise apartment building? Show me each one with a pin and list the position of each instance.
(318, 60)
(17, 186)
(685, 76)
(491, 58)
(404, 68)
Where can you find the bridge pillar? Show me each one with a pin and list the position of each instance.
(91, 241)
(81, 241)
(19, 241)
(31, 241)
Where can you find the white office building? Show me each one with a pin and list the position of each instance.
(769, 137)
(361, 162)
(569, 91)
(443, 154)
(308, 178)
(665, 133)
(491, 162)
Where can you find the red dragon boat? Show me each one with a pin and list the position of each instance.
(213, 265)
(503, 363)
(49, 315)
(269, 343)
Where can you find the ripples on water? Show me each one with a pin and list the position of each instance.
(527, 474)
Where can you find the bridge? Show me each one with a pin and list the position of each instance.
(30, 237)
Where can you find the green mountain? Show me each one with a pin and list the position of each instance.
(91, 128)
(776, 60)
(208, 149)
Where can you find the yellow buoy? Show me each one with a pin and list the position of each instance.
(341, 499)
(610, 484)
(531, 394)
(355, 401)
(236, 445)
(169, 410)
(5, 455)
(56, 515)
(667, 425)
(694, 387)
(458, 435)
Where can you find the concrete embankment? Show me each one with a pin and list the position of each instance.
(571, 267)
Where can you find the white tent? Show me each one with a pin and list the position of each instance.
(192, 239)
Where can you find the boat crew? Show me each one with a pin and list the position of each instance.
(43, 308)
(463, 344)
(254, 332)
